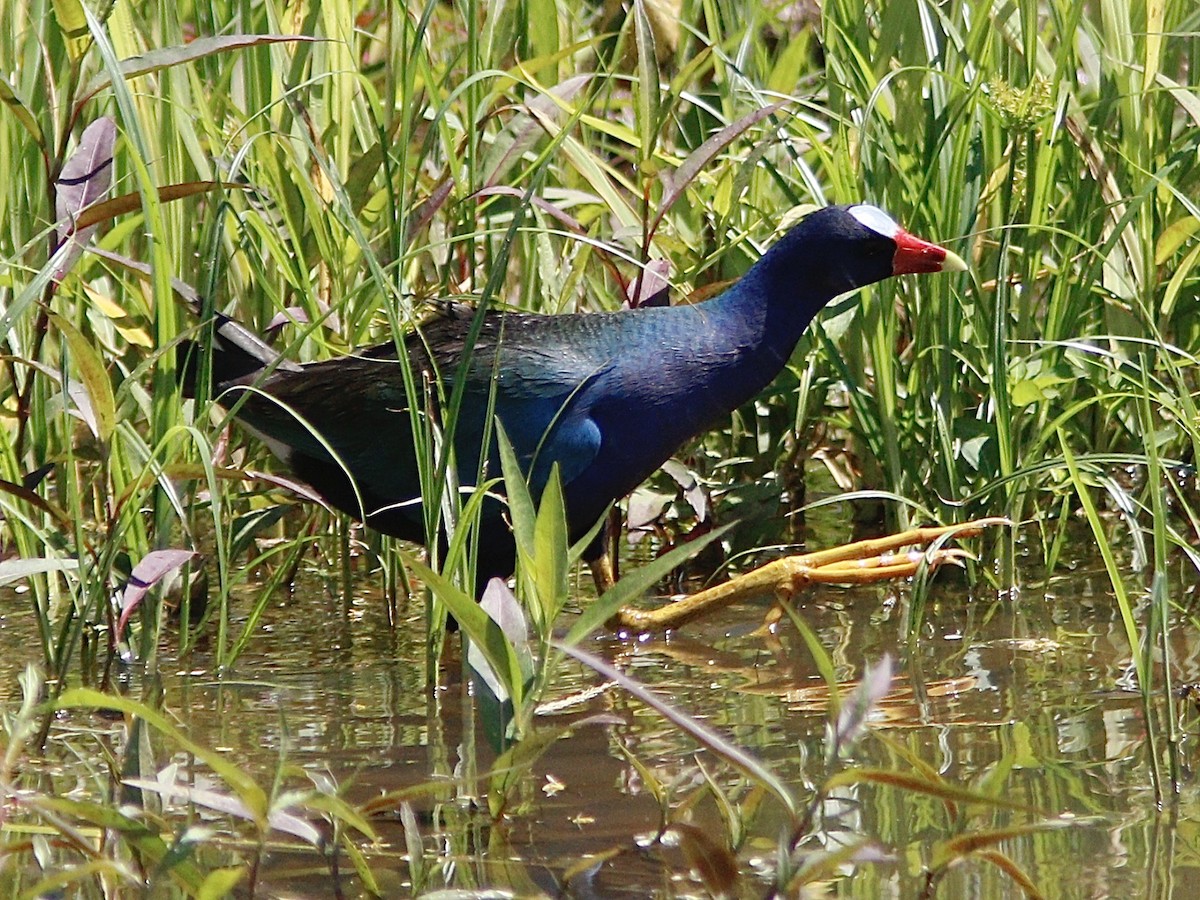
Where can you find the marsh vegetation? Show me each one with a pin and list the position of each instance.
(213, 685)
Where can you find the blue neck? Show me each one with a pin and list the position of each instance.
(751, 332)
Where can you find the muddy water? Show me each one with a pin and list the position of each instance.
(1028, 695)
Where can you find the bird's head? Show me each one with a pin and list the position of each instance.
(840, 248)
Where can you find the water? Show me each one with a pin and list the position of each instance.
(1026, 695)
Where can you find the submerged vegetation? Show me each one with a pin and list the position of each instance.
(328, 171)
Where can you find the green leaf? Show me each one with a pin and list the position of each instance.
(94, 376)
(550, 551)
(479, 628)
(635, 584)
(520, 503)
(543, 28)
(73, 22)
(18, 108)
(820, 656)
(648, 85)
(220, 883)
(1173, 237)
(138, 835)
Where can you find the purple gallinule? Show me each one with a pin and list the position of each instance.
(607, 396)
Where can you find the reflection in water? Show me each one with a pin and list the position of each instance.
(1020, 697)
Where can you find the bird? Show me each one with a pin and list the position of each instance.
(606, 396)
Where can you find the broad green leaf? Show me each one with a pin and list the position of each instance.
(550, 539)
(108, 871)
(90, 366)
(219, 883)
(636, 583)
(820, 656)
(648, 83)
(1173, 237)
(543, 28)
(520, 502)
(73, 22)
(478, 627)
(18, 108)
(137, 833)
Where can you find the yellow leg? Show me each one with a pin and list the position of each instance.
(602, 572)
(862, 562)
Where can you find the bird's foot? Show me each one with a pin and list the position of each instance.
(862, 562)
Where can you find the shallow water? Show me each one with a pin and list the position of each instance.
(1027, 694)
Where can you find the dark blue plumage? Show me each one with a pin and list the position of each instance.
(607, 396)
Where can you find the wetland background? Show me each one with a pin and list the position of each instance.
(294, 720)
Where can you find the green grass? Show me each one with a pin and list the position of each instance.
(510, 153)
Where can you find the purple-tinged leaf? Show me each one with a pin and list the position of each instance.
(502, 607)
(296, 315)
(83, 182)
(83, 405)
(293, 315)
(852, 717)
(150, 570)
(546, 206)
(693, 492)
(705, 153)
(652, 287)
(645, 506)
(518, 136)
(228, 804)
(182, 288)
(16, 569)
(165, 57)
(428, 207)
(299, 488)
(26, 492)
